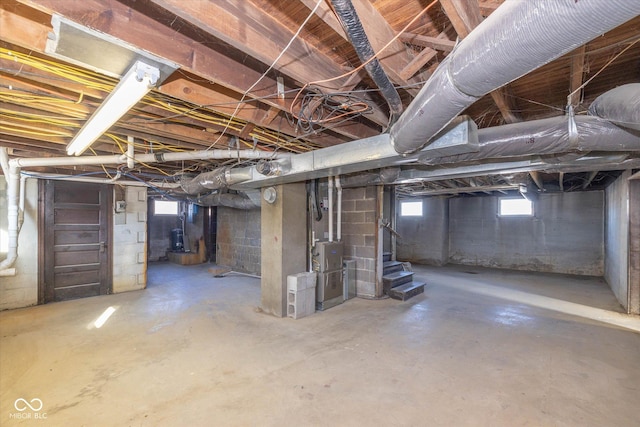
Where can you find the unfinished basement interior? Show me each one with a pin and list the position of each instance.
(320, 212)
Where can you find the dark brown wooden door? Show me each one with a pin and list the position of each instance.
(76, 243)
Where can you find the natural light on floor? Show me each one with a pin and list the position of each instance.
(100, 321)
(584, 311)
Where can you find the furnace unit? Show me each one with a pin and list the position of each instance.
(328, 262)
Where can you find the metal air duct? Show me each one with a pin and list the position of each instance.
(620, 106)
(517, 38)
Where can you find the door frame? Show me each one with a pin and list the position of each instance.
(42, 238)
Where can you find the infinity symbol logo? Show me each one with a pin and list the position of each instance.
(22, 405)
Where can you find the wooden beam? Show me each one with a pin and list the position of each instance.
(577, 75)
(465, 16)
(216, 98)
(325, 13)
(441, 42)
(263, 38)
(487, 7)
(136, 28)
(394, 58)
(505, 101)
(426, 55)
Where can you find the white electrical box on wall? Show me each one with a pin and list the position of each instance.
(121, 206)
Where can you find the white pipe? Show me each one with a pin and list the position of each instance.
(130, 152)
(68, 161)
(330, 213)
(147, 158)
(339, 219)
(61, 177)
(13, 196)
(23, 189)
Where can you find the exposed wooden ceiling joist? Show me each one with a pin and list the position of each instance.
(576, 76)
(141, 30)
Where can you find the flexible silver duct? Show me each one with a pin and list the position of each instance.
(620, 106)
(355, 33)
(545, 137)
(217, 179)
(517, 38)
(236, 201)
(383, 176)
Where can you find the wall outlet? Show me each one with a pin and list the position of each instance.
(121, 206)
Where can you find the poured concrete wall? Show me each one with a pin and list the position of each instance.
(616, 270)
(130, 241)
(425, 240)
(238, 243)
(359, 228)
(20, 290)
(566, 234)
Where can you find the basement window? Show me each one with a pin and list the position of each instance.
(516, 207)
(411, 208)
(165, 207)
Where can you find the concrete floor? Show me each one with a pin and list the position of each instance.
(477, 349)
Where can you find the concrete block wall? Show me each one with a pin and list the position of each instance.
(20, 290)
(425, 240)
(359, 228)
(565, 235)
(130, 240)
(238, 239)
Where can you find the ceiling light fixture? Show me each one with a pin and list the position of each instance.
(133, 86)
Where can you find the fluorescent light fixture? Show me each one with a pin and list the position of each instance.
(133, 86)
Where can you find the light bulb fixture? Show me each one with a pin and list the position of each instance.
(133, 86)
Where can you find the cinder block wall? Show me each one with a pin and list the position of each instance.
(238, 245)
(425, 239)
(130, 240)
(359, 227)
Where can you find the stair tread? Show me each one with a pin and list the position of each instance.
(389, 267)
(406, 291)
(396, 278)
(408, 286)
(391, 263)
(397, 274)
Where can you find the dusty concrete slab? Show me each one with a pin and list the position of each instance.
(476, 349)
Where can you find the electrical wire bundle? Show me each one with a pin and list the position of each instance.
(317, 109)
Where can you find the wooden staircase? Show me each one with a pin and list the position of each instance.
(397, 282)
